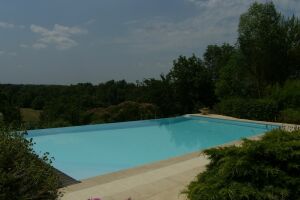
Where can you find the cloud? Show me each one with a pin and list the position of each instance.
(4, 53)
(39, 46)
(214, 22)
(90, 22)
(6, 25)
(60, 36)
(283, 5)
(24, 45)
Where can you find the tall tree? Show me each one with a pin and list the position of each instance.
(262, 41)
(233, 79)
(216, 57)
(160, 92)
(292, 26)
(192, 83)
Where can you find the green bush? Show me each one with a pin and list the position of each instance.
(258, 109)
(23, 175)
(288, 96)
(268, 169)
(290, 116)
(126, 111)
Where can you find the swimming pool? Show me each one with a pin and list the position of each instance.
(87, 151)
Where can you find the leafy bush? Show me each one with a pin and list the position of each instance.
(268, 169)
(258, 109)
(23, 175)
(290, 116)
(288, 96)
(126, 111)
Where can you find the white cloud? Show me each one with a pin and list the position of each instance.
(212, 24)
(6, 25)
(216, 22)
(91, 21)
(60, 36)
(39, 46)
(24, 45)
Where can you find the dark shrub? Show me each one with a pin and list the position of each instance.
(126, 111)
(23, 175)
(258, 109)
(288, 96)
(258, 170)
(290, 116)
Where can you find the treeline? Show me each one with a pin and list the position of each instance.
(257, 78)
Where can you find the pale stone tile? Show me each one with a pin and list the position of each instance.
(172, 194)
(125, 195)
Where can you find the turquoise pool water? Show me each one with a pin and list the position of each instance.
(87, 151)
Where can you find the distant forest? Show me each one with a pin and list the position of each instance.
(257, 78)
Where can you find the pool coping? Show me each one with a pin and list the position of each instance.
(102, 179)
(105, 179)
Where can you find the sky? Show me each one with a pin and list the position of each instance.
(75, 41)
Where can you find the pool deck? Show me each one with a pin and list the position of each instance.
(164, 180)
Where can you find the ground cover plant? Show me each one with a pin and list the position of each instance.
(268, 169)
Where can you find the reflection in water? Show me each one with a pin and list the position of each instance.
(201, 133)
(187, 134)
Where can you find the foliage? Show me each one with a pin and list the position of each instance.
(292, 28)
(216, 57)
(126, 111)
(23, 175)
(290, 116)
(192, 84)
(288, 95)
(262, 42)
(160, 93)
(233, 79)
(259, 109)
(258, 170)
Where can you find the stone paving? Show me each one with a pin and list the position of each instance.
(162, 183)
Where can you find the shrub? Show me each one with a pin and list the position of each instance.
(258, 109)
(288, 96)
(23, 175)
(126, 111)
(266, 170)
(290, 116)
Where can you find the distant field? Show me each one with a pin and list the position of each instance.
(30, 115)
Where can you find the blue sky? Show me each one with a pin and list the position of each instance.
(71, 41)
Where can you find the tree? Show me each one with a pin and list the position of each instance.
(262, 42)
(192, 83)
(23, 174)
(10, 114)
(233, 80)
(216, 57)
(160, 93)
(292, 26)
(258, 170)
